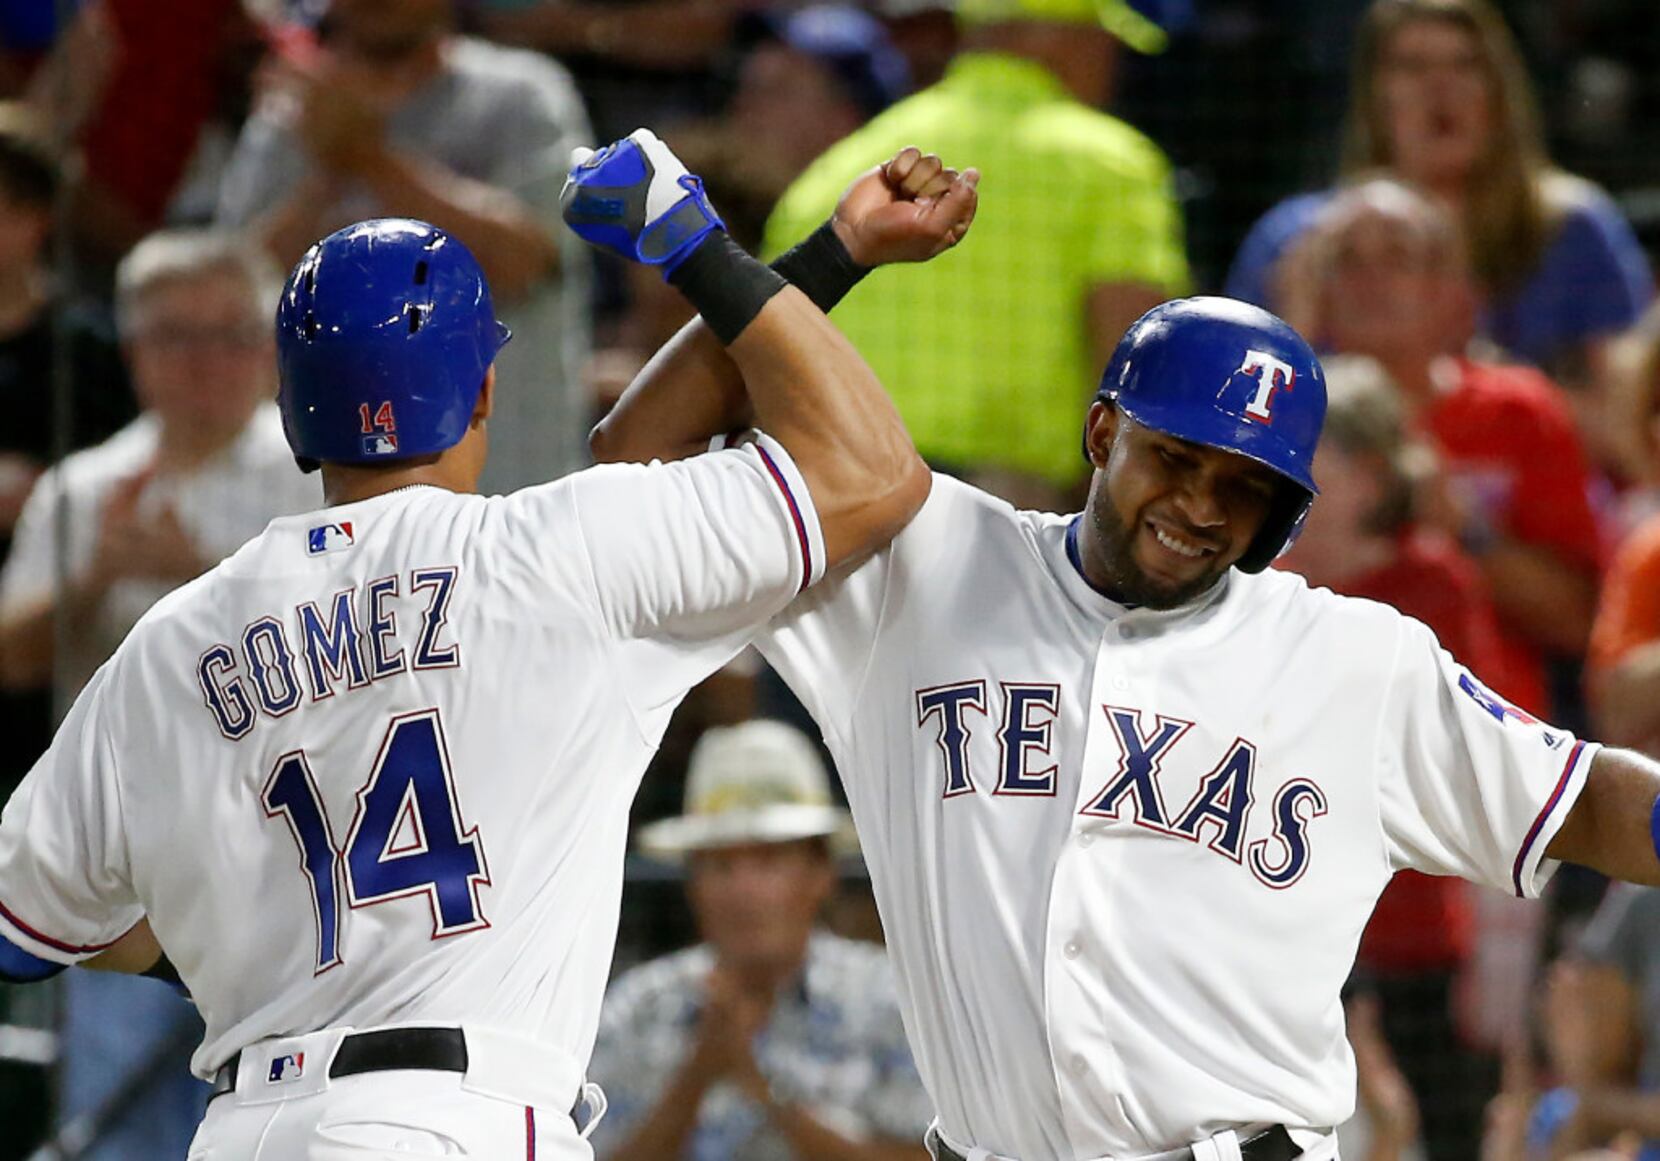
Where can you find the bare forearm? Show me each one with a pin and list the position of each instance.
(795, 374)
(1552, 602)
(690, 392)
(1608, 828)
(512, 246)
(815, 395)
(807, 386)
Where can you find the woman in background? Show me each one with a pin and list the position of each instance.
(1440, 99)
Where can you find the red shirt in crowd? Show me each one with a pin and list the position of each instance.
(165, 84)
(1509, 447)
(1423, 922)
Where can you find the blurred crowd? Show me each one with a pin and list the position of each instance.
(1456, 201)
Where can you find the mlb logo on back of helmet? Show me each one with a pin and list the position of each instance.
(329, 538)
(380, 445)
(286, 1068)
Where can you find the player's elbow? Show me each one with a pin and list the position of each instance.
(910, 492)
(607, 444)
(612, 442)
(860, 525)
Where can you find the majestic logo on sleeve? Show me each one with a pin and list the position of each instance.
(1137, 790)
(1272, 376)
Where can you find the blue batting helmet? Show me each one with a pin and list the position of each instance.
(1229, 375)
(384, 333)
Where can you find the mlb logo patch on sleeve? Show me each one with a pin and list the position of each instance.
(329, 538)
(286, 1068)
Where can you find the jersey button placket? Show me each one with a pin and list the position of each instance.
(1072, 1013)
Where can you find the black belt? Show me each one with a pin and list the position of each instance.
(1273, 1144)
(426, 1049)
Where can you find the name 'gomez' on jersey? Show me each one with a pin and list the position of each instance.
(1123, 857)
(377, 765)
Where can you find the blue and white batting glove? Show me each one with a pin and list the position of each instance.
(635, 198)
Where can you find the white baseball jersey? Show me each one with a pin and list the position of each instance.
(1123, 857)
(377, 766)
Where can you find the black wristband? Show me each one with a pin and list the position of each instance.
(726, 286)
(821, 268)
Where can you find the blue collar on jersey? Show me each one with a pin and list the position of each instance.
(1078, 564)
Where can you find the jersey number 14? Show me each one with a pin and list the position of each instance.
(407, 837)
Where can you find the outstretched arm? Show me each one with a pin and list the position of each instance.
(908, 210)
(1614, 823)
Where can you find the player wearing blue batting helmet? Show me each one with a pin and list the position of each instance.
(385, 332)
(1228, 375)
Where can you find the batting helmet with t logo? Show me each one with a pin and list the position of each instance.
(1229, 375)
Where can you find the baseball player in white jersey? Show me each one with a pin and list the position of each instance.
(1128, 799)
(368, 780)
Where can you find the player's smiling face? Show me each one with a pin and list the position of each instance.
(1166, 518)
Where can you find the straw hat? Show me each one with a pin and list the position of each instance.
(757, 782)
